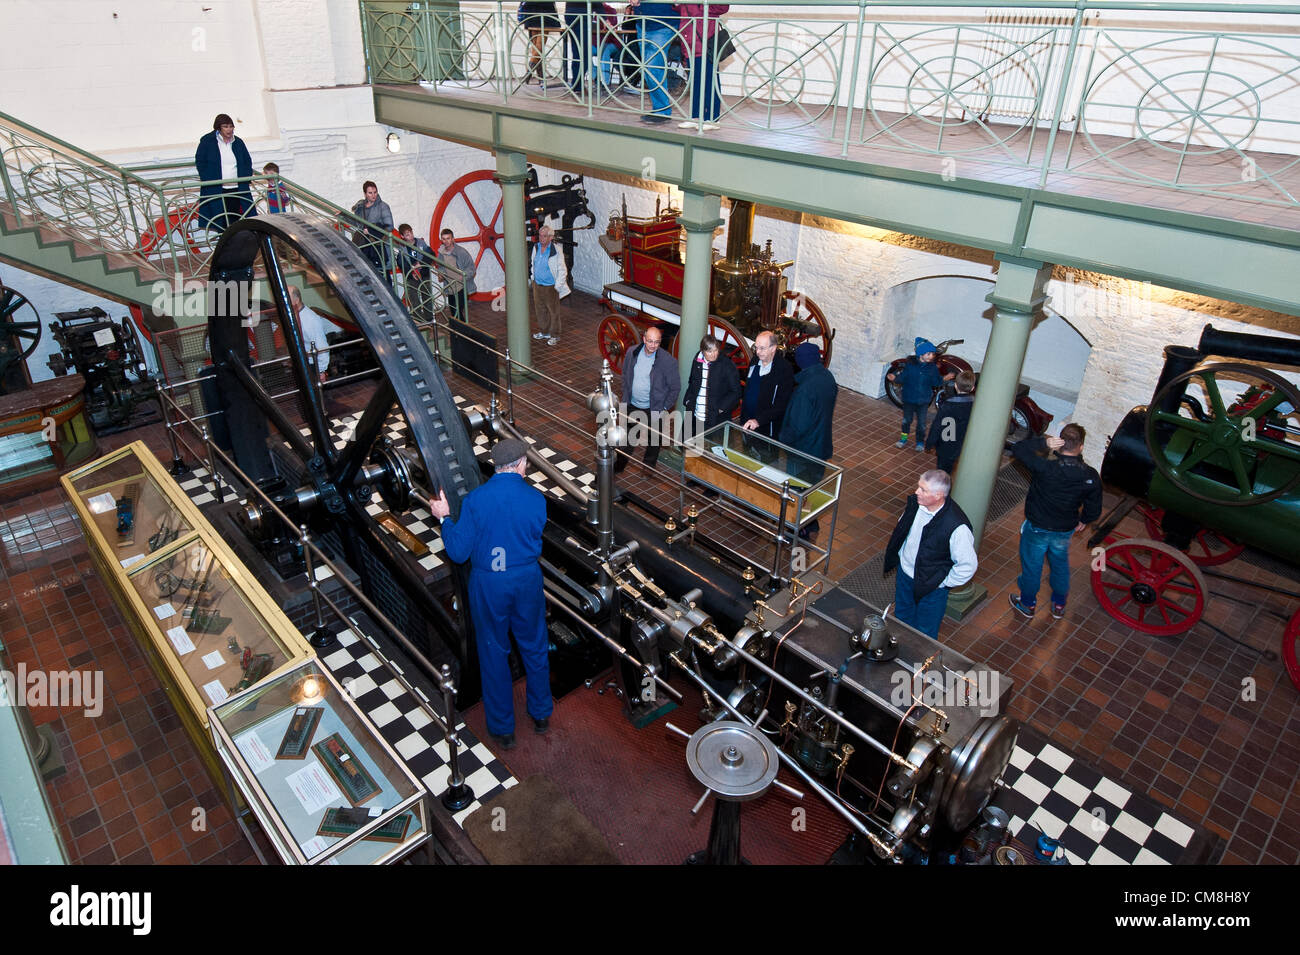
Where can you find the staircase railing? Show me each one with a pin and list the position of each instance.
(150, 213)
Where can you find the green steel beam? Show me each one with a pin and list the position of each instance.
(1240, 262)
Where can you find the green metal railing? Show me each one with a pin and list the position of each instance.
(151, 213)
(1126, 91)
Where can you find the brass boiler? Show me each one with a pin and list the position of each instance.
(748, 287)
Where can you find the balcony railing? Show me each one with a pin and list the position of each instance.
(1192, 96)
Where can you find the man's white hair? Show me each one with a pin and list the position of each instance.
(937, 481)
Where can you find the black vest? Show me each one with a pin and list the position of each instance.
(933, 558)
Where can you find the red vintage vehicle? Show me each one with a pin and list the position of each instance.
(748, 292)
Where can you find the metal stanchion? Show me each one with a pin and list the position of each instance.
(322, 638)
(459, 795)
(178, 463)
(510, 388)
(212, 465)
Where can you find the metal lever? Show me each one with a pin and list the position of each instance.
(790, 789)
(708, 792)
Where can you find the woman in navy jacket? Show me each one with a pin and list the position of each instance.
(222, 204)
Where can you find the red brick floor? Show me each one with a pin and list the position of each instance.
(1162, 716)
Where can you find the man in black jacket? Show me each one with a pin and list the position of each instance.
(1064, 497)
(768, 387)
(713, 388)
(651, 383)
(933, 548)
(948, 430)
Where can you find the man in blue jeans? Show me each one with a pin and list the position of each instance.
(1064, 497)
(656, 26)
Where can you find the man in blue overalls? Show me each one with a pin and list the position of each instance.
(500, 534)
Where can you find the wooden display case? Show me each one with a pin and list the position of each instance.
(204, 623)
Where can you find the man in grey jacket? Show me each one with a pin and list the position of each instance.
(458, 293)
(651, 384)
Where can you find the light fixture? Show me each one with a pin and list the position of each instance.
(308, 690)
(394, 142)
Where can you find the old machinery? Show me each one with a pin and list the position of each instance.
(863, 727)
(477, 195)
(1216, 458)
(109, 356)
(749, 290)
(20, 333)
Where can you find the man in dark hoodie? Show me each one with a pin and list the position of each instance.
(948, 430)
(808, 418)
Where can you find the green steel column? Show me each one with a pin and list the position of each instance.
(1017, 297)
(701, 215)
(512, 170)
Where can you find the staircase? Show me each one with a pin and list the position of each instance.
(130, 233)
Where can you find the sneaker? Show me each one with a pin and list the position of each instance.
(505, 742)
(553, 340)
(1026, 611)
(656, 119)
(919, 447)
(902, 444)
(709, 127)
(1058, 610)
(689, 124)
(540, 335)
(541, 726)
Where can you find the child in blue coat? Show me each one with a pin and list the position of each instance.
(919, 379)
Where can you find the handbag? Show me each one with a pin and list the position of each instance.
(725, 47)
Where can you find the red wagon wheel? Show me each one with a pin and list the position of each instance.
(802, 312)
(1208, 548)
(1291, 649)
(1150, 586)
(733, 344)
(486, 235)
(183, 221)
(616, 336)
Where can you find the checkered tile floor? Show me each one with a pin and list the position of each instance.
(1096, 820)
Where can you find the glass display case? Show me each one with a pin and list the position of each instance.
(42, 431)
(789, 488)
(324, 785)
(204, 622)
(754, 469)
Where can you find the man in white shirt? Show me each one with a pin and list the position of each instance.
(313, 330)
(933, 548)
(549, 278)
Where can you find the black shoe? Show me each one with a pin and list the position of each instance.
(541, 726)
(655, 119)
(505, 742)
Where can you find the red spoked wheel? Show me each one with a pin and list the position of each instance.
(616, 336)
(1150, 586)
(483, 205)
(1208, 548)
(1291, 649)
(183, 221)
(734, 345)
(800, 315)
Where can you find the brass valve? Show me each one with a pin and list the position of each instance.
(845, 752)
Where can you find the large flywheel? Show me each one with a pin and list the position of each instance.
(20, 330)
(476, 195)
(329, 487)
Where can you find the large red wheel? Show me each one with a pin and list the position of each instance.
(469, 198)
(1208, 548)
(800, 315)
(617, 336)
(1150, 586)
(183, 222)
(1291, 649)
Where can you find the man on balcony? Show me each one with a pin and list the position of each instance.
(221, 158)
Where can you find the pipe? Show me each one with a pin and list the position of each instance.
(1271, 349)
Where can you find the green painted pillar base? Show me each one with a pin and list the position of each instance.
(512, 171)
(700, 217)
(964, 600)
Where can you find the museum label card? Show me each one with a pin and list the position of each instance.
(102, 503)
(163, 611)
(180, 640)
(255, 751)
(213, 660)
(313, 788)
(132, 561)
(216, 692)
